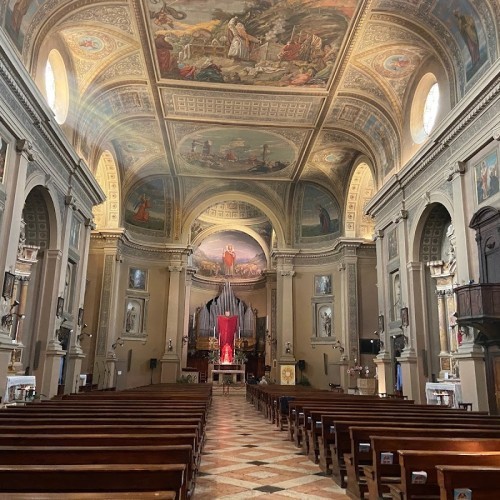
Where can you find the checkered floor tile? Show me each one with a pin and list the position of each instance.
(245, 457)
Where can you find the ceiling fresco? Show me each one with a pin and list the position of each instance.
(273, 43)
(200, 101)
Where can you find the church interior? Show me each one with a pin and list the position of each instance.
(304, 190)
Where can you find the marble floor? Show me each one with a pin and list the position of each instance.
(246, 457)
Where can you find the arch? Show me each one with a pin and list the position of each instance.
(361, 190)
(421, 217)
(107, 215)
(37, 184)
(251, 199)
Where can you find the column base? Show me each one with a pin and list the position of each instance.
(385, 373)
(170, 368)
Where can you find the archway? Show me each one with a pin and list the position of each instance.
(361, 190)
(107, 215)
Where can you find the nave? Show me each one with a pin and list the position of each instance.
(245, 456)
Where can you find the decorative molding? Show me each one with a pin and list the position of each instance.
(459, 168)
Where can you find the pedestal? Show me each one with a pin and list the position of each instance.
(170, 367)
(367, 386)
(385, 374)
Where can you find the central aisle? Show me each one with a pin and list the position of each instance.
(246, 457)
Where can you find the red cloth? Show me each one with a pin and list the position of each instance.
(227, 328)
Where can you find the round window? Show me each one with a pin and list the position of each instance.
(56, 86)
(424, 108)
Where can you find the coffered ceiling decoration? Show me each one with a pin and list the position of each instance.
(202, 102)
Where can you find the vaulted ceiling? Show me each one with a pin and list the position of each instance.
(249, 99)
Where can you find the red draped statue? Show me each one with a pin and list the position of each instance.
(227, 328)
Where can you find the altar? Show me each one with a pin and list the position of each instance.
(20, 388)
(444, 393)
(236, 371)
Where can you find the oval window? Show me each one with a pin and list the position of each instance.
(424, 108)
(56, 86)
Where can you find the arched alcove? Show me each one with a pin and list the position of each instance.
(107, 215)
(361, 190)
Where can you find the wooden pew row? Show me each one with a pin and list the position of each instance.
(481, 481)
(385, 458)
(95, 495)
(90, 478)
(339, 436)
(313, 425)
(81, 455)
(349, 438)
(417, 465)
(360, 454)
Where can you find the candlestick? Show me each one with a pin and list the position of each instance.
(214, 331)
(239, 333)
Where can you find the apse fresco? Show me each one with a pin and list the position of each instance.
(18, 16)
(279, 43)
(463, 22)
(237, 150)
(320, 213)
(145, 206)
(229, 255)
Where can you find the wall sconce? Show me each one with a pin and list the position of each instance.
(170, 346)
(8, 319)
(83, 334)
(338, 346)
(185, 339)
(119, 342)
(288, 348)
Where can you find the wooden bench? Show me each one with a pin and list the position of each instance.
(417, 463)
(359, 456)
(386, 468)
(81, 478)
(482, 481)
(81, 455)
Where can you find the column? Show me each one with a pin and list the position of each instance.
(285, 311)
(170, 362)
(185, 337)
(443, 333)
(75, 354)
(15, 180)
(383, 361)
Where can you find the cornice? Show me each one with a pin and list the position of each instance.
(462, 116)
(207, 284)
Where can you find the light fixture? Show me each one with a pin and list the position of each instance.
(170, 346)
(118, 342)
(288, 347)
(338, 346)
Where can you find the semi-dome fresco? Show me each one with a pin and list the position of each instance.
(278, 43)
(229, 254)
(320, 215)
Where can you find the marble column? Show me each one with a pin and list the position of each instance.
(170, 361)
(285, 310)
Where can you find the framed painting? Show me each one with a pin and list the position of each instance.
(323, 284)
(137, 279)
(8, 285)
(287, 373)
(486, 177)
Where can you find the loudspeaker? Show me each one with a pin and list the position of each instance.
(153, 363)
(301, 364)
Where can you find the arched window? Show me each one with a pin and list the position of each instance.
(424, 109)
(56, 86)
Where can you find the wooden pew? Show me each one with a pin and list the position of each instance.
(362, 455)
(136, 495)
(81, 455)
(415, 462)
(383, 472)
(81, 478)
(482, 481)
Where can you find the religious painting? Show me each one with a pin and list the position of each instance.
(229, 255)
(145, 206)
(8, 285)
(249, 42)
(486, 177)
(238, 151)
(287, 375)
(3, 157)
(134, 321)
(467, 29)
(396, 64)
(320, 213)
(392, 244)
(323, 284)
(74, 234)
(137, 278)
(18, 17)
